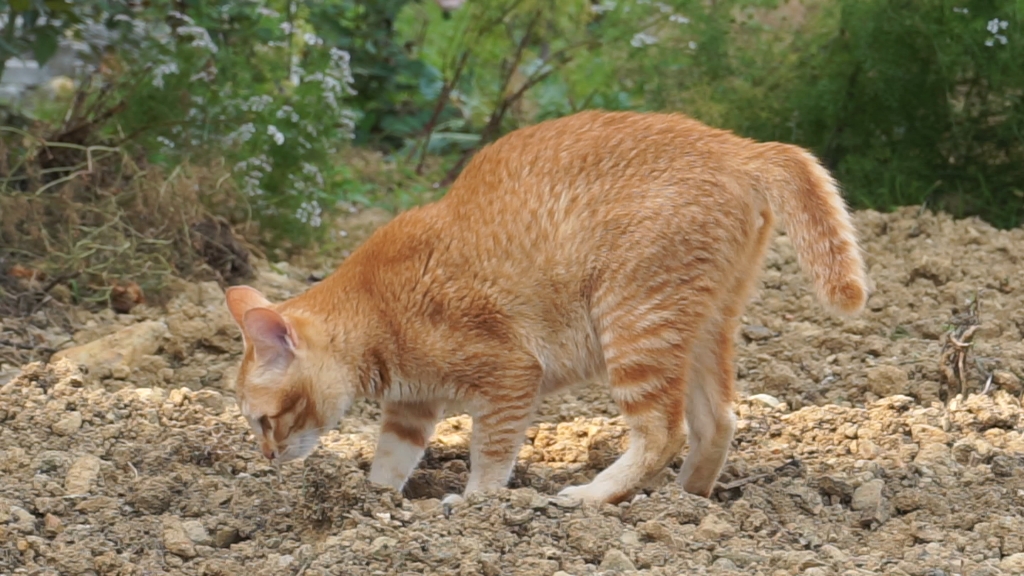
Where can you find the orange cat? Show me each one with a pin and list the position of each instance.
(619, 247)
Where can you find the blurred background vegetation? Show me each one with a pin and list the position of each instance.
(143, 139)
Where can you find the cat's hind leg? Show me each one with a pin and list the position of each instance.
(711, 390)
(709, 412)
(406, 428)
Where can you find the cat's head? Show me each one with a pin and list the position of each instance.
(289, 387)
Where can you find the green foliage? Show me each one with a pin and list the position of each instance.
(33, 26)
(908, 101)
(915, 101)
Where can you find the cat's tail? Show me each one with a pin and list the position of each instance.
(801, 191)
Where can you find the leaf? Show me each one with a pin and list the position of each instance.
(20, 5)
(45, 45)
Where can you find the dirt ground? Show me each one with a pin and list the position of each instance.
(125, 452)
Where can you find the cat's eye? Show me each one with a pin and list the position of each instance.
(265, 424)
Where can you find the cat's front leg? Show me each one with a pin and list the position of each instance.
(498, 432)
(405, 430)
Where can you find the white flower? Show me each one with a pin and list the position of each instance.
(692, 45)
(310, 212)
(162, 70)
(312, 39)
(276, 134)
(166, 142)
(243, 133)
(679, 18)
(995, 25)
(183, 17)
(257, 103)
(961, 10)
(606, 6)
(200, 37)
(641, 39)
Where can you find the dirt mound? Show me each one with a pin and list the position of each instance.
(844, 462)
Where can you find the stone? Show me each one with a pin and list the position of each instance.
(756, 333)
(766, 399)
(868, 499)
(887, 380)
(617, 561)
(82, 474)
(713, 528)
(924, 434)
(68, 425)
(176, 540)
(1013, 564)
(196, 532)
(868, 495)
(123, 347)
(382, 546)
(225, 537)
(52, 525)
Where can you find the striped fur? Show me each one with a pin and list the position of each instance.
(615, 247)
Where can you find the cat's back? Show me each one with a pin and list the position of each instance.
(596, 173)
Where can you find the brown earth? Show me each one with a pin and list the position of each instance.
(128, 456)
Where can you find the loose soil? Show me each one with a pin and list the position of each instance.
(853, 454)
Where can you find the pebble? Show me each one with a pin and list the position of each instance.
(82, 474)
(68, 425)
(713, 528)
(766, 399)
(196, 532)
(617, 561)
(176, 540)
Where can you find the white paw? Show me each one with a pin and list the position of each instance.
(584, 493)
(449, 502)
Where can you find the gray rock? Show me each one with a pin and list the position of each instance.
(82, 474)
(617, 561)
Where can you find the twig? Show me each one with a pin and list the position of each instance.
(21, 346)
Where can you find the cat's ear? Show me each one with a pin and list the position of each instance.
(273, 337)
(241, 299)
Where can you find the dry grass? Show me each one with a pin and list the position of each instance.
(91, 224)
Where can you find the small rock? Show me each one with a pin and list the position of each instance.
(868, 495)
(713, 528)
(22, 519)
(382, 546)
(196, 532)
(123, 347)
(766, 399)
(756, 333)
(211, 400)
(1013, 564)
(176, 541)
(52, 525)
(82, 474)
(1007, 381)
(925, 434)
(867, 499)
(887, 380)
(68, 425)
(725, 564)
(225, 537)
(934, 453)
(617, 561)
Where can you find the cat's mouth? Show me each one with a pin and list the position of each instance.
(299, 448)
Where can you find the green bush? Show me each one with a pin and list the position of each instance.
(912, 102)
(908, 101)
